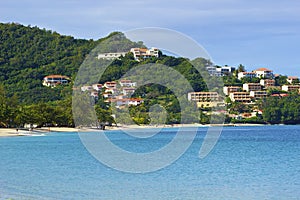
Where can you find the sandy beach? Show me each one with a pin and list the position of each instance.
(11, 132)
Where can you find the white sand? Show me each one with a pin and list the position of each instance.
(8, 132)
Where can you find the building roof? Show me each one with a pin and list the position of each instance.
(247, 72)
(258, 84)
(280, 95)
(125, 99)
(293, 77)
(262, 69)
(125, 81)
(56, 76)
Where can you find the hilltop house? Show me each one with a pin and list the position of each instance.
(246, 75)
(111, 56)
(54, 80)
(292, 79)
(139, 53)
(127, 83)
(264, 73)
(220, 71)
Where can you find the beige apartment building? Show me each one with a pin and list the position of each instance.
(258, 94)
(205, 99)
(230, 89)
(251, 87)
(243, 97)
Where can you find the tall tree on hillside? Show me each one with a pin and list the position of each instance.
(241, 68)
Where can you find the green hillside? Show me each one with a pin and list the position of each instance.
(28, 54)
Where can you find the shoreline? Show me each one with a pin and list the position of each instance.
(12, 132)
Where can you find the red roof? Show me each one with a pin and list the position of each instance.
(57, 76)
(280, 95)
(125, 81)
(293, 77)
(263, 69)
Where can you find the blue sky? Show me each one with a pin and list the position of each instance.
(257, 33)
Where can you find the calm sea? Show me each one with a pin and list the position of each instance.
(247, 163)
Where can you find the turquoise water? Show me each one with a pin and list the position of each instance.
(247, 163)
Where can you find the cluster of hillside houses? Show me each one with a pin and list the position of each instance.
(120, 92)
(115, 92)
(248, 93)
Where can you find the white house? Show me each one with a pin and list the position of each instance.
(111, 56)
(86, 88)
(291, 79)
(97, 87)
(111, 84)
(94, 94)
(111, 90)
(290, 88)
(128, 91)
(246, 75)
(127, 83)
(54, 80)
(126, 101)
(139, 53)
(267, 82)
(264, 73)
(220, 71)
(225, 70)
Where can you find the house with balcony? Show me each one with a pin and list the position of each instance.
(97, 87)
(242, 97)
(110, 85)
(230, 89)
(258, 94)
(220, 71)
(292, 79)
(264, 73)
(205, 99)
(127, 83)
(246, 75)
(54, 80)
(251, 87)
(267, 83)
(94, 94)
(125, 101)
(142, 53)
(128, 91)
(290, 88)
(111, 56)
(86, 88)
(111, 90)
(225, 70)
